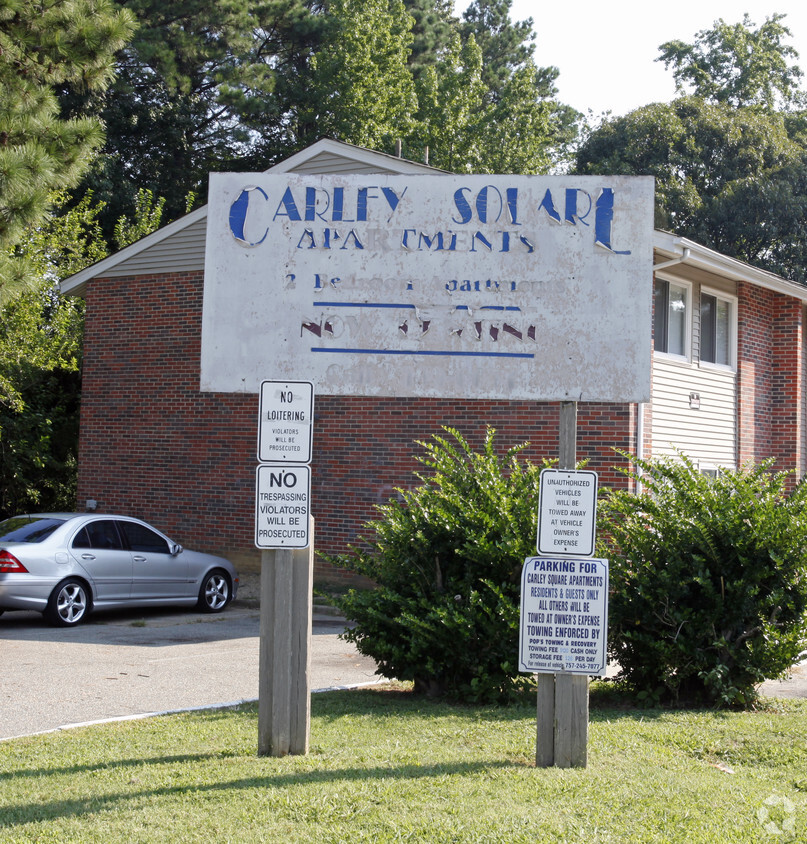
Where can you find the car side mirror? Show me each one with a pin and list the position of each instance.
(176, 549)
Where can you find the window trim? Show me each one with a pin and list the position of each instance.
(732, 301)
(688, 313)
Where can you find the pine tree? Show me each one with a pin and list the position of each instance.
(44, 47)
(204, 85)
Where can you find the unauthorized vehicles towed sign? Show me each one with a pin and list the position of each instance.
(567, 514)
(564, 616)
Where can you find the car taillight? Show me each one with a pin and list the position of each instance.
(9, 563)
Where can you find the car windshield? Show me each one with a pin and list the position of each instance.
(28, 528)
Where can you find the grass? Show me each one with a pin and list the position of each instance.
(386, 766)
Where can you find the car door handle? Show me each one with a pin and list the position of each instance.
(140, 559)
(88, 556)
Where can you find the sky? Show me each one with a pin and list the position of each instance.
(606, 49)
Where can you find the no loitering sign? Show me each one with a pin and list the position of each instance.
(286, 422)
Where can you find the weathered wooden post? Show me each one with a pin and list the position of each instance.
(562, 719)
(284, 686)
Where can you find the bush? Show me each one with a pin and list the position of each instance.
(447, 562)
(708, 581)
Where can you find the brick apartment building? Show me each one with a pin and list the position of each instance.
(727, 387)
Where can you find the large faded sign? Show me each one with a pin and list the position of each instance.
(501, 287)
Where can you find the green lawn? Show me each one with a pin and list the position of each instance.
(385, 766)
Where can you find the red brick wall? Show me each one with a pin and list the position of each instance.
(153, 446)
(769, 377)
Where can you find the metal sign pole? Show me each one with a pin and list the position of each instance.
(562, 713)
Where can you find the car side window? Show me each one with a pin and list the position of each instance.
(141, 538)
(101, 534)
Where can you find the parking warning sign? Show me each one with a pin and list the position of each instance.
(564, 616)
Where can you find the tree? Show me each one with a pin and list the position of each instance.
(363, 91)
(40, 358)
(699, 152)
(451, 108)
(433, 26)
(40, 354)
(505, 45)
(528, 129)
(46, 47)
(729, 167)
(202, 86)
(209, 86)
(737, 65)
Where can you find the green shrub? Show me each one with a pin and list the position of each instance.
(447, 560)
(708, 580)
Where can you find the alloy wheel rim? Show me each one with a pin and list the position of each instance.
(216, 592)
(72, 603)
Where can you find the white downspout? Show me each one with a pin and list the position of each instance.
(664, 264)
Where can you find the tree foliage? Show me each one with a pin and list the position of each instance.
(708, 580)
(40, 339)
(737, 65)
(41, 335)
(705, 157)
(447, 558)
(195, 83)
(433, 25)
(363, 90)
(46, 47)
(729, 166)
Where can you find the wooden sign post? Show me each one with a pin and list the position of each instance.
(284, 685)
(562, 720)
(284, 530)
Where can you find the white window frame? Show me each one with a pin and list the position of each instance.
(710, 470)
(687, 286)
(731, 301)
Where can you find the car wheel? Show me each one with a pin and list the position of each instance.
(215, 592)
(68, 603)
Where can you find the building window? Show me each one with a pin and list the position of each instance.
(670, 318)
(717, 330)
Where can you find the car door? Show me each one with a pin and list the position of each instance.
(98, 549)
(156, 572)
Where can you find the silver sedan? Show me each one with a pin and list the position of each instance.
(65, 565)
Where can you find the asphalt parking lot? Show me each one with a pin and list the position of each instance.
(133, 663)
(136, 663)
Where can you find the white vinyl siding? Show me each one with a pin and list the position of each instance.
(708, 434)
(328, 163)
(183, 252)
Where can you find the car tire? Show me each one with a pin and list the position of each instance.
(68, 604)
(215, 592)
